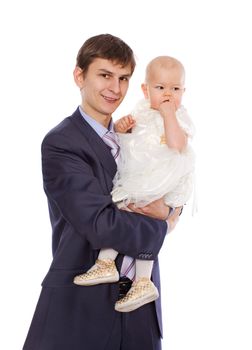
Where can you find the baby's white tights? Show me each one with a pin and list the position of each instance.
(143, 267)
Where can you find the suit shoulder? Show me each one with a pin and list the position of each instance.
(58, 129)
(64, 130)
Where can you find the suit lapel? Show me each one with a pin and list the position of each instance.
(97, 145)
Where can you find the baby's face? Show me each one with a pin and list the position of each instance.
(164, 83)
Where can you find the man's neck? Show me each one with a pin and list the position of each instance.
(103, 119)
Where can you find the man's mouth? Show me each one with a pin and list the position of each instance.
(110, 99)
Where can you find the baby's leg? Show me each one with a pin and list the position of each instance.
(143, 269)
(107, 253)
(103, 271)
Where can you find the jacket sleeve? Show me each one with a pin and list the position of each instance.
(69, 182)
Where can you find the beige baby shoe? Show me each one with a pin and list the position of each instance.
(141, 292)
(104, 271)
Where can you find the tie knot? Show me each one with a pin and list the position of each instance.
(111, 136)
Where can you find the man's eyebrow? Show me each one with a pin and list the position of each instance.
(105, 71)
(126, 75)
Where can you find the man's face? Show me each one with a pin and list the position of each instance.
(103, 87)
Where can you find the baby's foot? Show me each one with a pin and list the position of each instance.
(104, 271)
(141, 292)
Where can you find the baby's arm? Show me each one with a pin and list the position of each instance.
(124, 124)
(175, 136)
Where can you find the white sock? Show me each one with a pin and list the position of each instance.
(107, 253)
(143, 268)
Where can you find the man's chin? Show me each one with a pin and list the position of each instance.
(111, 109)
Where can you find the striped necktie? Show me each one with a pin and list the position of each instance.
(111, 139)
(128, 268)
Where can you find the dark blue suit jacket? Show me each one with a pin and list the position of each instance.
(78, 170)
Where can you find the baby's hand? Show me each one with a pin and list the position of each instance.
(124, 124)
(168, 107)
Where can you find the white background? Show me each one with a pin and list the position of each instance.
(206, 262)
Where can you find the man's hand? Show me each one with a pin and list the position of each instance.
(158, 210)
(124, 124)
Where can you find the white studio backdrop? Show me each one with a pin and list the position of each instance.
(206, 262)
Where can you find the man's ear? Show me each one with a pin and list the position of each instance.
(145, 90)
(78, 77)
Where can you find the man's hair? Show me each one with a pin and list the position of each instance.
(108, 47)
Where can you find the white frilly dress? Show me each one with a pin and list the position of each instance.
(147, 168)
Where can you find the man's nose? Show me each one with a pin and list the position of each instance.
(115, 85)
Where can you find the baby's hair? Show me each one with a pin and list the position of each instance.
(166, 62)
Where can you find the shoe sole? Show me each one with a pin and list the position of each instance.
(138, 303)
(111, 279)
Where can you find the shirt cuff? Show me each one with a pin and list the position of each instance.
(170, 213)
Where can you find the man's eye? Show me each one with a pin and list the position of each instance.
(104, 75)
(124, 79)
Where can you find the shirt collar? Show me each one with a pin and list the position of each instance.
(98, 128)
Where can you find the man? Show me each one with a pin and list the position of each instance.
(78, 169)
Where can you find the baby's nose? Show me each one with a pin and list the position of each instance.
(167, 92)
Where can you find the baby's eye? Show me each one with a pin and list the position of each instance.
(176, 88)
(159, 87)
